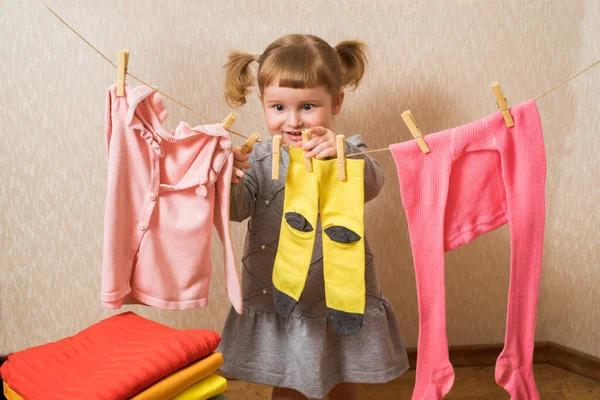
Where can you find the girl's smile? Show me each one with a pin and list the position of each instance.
(288, 111)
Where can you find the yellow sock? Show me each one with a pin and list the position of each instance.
(297, 237)
(342, 217)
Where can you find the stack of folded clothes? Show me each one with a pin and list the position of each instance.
(122, 357)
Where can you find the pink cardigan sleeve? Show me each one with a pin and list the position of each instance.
(221, 222)
(112, 276)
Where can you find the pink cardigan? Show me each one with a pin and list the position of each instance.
(165, 192)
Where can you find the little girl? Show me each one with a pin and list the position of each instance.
(301, 81)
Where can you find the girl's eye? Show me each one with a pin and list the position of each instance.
(307, 107)
(278, 107)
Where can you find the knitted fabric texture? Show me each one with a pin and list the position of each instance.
(165, 192)
(477, 178)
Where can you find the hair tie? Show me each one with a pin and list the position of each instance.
(256, 57)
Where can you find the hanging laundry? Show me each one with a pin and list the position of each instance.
(342, 216)
(165, 192)
(477, 178)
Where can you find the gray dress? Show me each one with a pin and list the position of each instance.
(303, 351)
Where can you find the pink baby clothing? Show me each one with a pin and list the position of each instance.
(165, 192)
(477, 178)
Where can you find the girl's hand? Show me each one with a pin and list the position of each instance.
(240, 162)
(322, 144)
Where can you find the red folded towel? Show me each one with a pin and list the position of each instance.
(113, 359)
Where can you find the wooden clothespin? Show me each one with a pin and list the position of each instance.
(229, 120)
(412, 125)
(305, 138)
(340, 141)
(276, 156)
(122, 62)
(247, 147)
(502, 104)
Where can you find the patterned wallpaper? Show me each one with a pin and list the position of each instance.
(436, 58)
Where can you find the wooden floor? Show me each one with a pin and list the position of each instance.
(471, 383)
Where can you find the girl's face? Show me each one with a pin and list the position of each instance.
(288, 111)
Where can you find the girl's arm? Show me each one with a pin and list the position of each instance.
(374, 178)
(243, 194)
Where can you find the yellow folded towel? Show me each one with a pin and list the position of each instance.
(204, 389)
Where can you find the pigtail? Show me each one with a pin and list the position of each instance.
(238, 77)
(353, 60)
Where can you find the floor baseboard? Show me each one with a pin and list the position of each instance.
(574, 361)
(481, 354)
(544, 352)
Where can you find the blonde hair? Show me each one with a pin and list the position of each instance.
(299, 61)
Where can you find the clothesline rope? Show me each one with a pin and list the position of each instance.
(246, 137)
(536, 99)
(135, 77)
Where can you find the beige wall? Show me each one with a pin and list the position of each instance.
(436, 58)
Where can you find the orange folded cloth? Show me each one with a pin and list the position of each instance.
(182, 379)
(115, 358)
